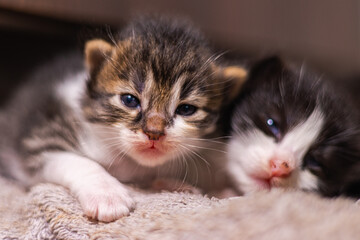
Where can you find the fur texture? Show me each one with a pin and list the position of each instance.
(142, 108)
(294, 129)
(53, 213)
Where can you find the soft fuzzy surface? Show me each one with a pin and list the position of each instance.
(50, 212)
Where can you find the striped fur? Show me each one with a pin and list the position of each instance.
(70, 126)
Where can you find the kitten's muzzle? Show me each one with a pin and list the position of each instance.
(154, 127)
(280, 168)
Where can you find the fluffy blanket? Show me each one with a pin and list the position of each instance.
(50, 212)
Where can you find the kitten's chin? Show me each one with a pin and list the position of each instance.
(150, 157)
(255, 184)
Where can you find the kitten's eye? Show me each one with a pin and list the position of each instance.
(312, 164)
(130, 101)
(273, 126)
(185, 110)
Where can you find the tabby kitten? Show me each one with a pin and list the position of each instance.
(140, 108)
(294, 129)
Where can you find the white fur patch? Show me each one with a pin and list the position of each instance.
(101, 196)
(72, 88)
(248, 156)
(175, 93)
(307, 181)
(250, 153)
(301, 137)
(148, 90)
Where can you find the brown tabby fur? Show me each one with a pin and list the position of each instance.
(70, 126)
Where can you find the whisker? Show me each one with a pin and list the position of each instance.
(111, 36)
(212, 149)
(195, 153)
(193, 161)
(125, 152)
(222, 137)
(207, 141)
(186, 166)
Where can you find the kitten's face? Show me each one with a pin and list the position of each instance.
(156, 95)
(289, 132)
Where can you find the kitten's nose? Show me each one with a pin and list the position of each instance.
(279, 168)
(154, 127)
(154, 136)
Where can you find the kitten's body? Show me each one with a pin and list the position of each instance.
(294, 129)
(139, 110)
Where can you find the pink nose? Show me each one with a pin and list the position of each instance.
(279, 168)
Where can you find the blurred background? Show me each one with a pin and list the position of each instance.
(324, 33)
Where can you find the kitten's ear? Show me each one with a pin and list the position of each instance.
(233, 77)
(96, 52)
(267, 67)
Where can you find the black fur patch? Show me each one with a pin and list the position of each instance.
(288, 96)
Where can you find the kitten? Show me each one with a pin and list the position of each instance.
(141, 107)
(294, 129)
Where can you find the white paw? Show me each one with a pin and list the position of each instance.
(105, 201)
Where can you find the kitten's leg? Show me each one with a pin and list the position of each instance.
(101, 196)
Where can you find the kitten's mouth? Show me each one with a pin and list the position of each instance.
(269, 183)
(154, 150)
(152, 145)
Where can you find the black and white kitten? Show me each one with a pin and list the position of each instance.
(294, 129)
(143, 107)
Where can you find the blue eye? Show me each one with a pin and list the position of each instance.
(130, 101)
(185, 110)
(273, 127)
(270, 122)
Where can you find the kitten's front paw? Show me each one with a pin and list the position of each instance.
(105, 202)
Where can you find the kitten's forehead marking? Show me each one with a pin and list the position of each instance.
(138, 81)
(148, 90)
(168, 97)
(157, 97)
(175, 93)
(303, 135)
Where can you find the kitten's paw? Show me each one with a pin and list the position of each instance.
(106, 202)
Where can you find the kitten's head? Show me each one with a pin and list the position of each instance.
(291, 129)
(157, 89)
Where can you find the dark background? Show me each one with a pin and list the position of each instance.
(325, 34)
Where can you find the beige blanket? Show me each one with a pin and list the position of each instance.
(50, 212)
